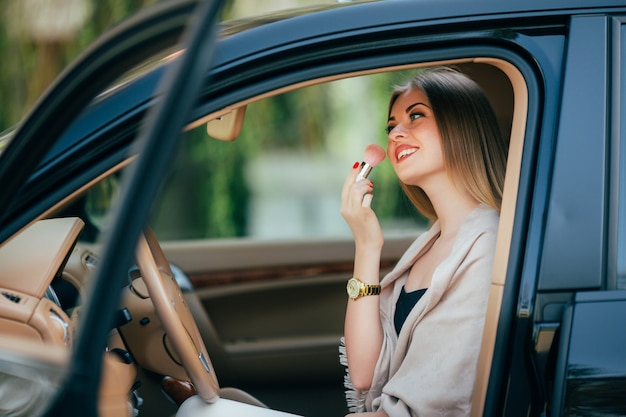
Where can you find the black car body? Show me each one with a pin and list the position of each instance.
(555, 337)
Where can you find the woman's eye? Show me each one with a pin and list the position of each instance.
(416, 115)
(388, 129)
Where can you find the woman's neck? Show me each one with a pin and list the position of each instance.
(452, 208)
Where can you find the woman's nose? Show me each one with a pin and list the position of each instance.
(397, 133)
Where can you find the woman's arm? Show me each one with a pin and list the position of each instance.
(362, 329)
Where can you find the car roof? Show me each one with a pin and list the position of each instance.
(362, 17)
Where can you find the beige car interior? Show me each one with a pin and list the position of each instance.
(279, 334)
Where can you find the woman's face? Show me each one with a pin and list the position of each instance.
(414, 146)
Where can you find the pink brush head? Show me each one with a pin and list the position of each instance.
(374, 155)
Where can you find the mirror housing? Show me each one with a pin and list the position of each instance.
(227, 126)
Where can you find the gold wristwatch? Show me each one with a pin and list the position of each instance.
(358, 289)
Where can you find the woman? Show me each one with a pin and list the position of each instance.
(412, 350)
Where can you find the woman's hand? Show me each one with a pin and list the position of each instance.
(356, 199)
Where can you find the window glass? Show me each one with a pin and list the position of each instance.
(282, 177)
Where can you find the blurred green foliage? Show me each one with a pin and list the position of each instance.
(30, 64)
(318, 132)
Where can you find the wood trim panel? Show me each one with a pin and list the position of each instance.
(256, 275)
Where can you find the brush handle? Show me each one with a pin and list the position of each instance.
(365, 171)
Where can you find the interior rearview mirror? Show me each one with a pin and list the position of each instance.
(228, 126)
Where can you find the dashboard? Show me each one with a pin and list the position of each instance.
(44, 273)
(29, 263)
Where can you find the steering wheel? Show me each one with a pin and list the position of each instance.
(175, 316)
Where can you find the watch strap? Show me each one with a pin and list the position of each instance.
(367, 289)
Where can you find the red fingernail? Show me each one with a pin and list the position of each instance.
(356, 165)
(371, 184)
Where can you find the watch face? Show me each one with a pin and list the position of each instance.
(353, 288)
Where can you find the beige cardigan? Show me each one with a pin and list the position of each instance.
(429, 369)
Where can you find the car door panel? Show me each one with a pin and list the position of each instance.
(264, 323)
(590, 377)
(574, 235)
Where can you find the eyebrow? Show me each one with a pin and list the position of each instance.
(409, 108)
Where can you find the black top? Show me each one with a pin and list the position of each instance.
(404, 305)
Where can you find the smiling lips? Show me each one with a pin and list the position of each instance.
(404, 153)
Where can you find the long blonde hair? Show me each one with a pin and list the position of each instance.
(474, 152)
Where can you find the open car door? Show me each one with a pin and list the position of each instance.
(111, 57)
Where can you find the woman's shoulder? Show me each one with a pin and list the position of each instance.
(480, 225)
(483, 219)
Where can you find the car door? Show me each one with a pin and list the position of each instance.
(26, 153)
(590, 363)
(569, 356)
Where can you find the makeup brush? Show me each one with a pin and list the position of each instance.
(374, 155)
